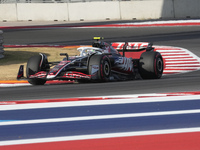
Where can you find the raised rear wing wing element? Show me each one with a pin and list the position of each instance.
(132, 46)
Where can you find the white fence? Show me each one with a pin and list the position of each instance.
(1, 44)
(100, 10)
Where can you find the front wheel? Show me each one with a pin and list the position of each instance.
(33, 66)
(151, 65)
(99, 68)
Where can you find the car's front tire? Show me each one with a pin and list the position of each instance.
(33, 66)
(99, 67)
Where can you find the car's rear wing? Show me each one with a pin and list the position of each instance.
(132, 46)
(137, 46)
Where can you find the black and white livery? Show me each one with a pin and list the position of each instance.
(100, 63)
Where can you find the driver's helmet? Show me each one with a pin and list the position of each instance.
(98, 43)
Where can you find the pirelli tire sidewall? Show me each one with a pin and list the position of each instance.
(151, 65)
(104, 67)
(33, 66)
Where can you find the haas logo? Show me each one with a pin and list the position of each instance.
(126, 64)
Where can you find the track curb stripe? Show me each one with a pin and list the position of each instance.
(179, 141)
(115, 116)
(123, 97)
(102, 136)
(179, 138)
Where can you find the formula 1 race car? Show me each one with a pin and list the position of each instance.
(99, 63)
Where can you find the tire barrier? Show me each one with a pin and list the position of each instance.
(1, 45)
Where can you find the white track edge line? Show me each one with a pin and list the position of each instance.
(98, 117)
(99, 102)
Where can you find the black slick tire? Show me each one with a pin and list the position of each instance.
(151, 65)
(102, 62)
(33, 66)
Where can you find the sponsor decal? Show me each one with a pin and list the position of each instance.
(125, 64)
(95, 69)
(41, 74)
(76, 75)
(58, 68)
(131, 45)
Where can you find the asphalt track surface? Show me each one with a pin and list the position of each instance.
(186, 37)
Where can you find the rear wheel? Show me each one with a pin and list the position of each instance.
(151, 65)
(33, 66)
(99, 67)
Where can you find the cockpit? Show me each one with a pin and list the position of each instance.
(98, 47)
(86, 51)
